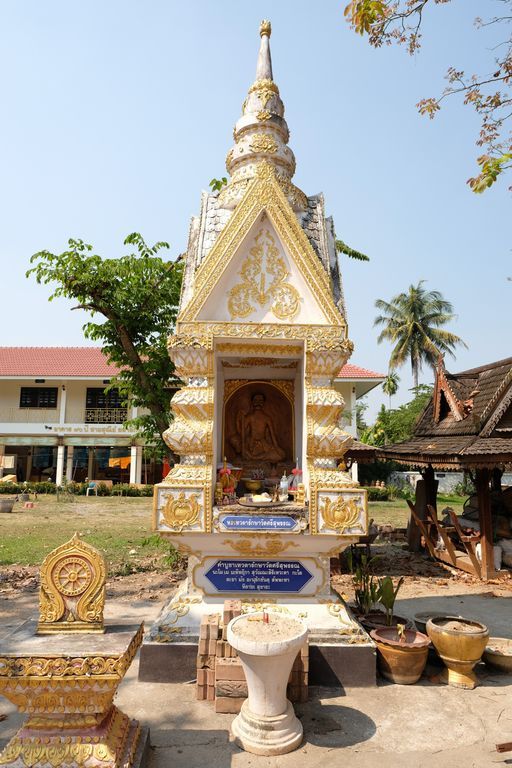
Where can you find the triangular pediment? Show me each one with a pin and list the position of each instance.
(262, 268)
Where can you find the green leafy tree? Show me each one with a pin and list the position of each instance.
(342, 247)
(133, 303)
(412, 323)
(490, 93)
(397, 424)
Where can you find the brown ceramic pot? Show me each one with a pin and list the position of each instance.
(377, 620)
(401, 660)
(460, 643)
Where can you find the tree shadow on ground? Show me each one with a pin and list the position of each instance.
(333, 725)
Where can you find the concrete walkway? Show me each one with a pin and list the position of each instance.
(390, 726)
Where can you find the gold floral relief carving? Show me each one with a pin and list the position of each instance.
(264, 263)
(317, 337)
(263, 142)
(72, 591)
(252, 362)
(265, 89)
(182, 511)
(263, 114)
(248, 546)
(260, 349)
(341, 514)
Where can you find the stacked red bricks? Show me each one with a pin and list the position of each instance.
(220, 675)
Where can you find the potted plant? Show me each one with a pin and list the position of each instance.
(6, 505)
(366, 589)
(401, 653)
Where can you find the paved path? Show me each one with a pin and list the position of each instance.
(391, 726)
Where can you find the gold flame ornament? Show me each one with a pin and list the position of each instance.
(72, 592)
(342, 514)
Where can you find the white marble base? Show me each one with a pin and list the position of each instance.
(261, 735)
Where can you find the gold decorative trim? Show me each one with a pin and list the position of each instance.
(263, 142)
(264, 193)
(63, 667)
(258, 362)
(286, 350)
(260, 545)
(317, 337)
(286, 386)
(323, 569)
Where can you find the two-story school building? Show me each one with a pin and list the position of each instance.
(58, 423)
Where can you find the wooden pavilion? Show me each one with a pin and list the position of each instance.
(466, 426)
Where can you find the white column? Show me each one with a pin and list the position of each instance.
(90, 463)
(2, 454)
(138, 472)
(353, 413)
(60, 465)
(69, 463)
(133, 464)
(354, 472)
(63, 399)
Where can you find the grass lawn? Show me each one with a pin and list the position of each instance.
(121, 528)
(397, 512)
(115, 525)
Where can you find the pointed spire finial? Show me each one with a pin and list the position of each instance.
(261, 136)
(265, 28)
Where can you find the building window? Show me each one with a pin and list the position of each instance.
(104, 407)
(38, 397)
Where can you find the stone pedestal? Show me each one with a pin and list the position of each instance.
(66, 683)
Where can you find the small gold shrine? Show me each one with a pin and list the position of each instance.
(72, 592)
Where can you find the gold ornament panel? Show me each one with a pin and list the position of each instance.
(342, 513)
(182, 508)
(263, 281)
(72, 591)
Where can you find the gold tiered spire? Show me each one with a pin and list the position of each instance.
(261, 134)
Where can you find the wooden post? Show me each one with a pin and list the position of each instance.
(426, 493)
(485, 519)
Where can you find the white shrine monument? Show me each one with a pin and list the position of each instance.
(260, 335)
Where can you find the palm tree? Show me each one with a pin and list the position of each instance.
(412, 323)
(390, 384)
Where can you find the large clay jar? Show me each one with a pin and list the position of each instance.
(460, 643)
(401, 659)
(267, 724)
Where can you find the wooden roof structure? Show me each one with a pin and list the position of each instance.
(467, 423)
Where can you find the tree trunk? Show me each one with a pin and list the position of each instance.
(415, 371)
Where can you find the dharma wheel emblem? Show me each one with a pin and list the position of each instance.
(73, 576)
(264, 275)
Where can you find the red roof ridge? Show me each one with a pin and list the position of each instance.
(350, 370)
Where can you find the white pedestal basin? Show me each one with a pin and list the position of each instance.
(267, 724)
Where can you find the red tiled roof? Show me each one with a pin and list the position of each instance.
(90, 361)
(54, 361)
(350, 371)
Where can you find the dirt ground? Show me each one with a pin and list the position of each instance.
(422, 578)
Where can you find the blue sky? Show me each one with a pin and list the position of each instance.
(116, 115)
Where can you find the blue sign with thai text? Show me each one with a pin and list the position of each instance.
(258, 523)
(258, 576)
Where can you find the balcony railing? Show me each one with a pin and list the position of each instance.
(29, 415)
(105, 415)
